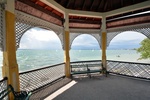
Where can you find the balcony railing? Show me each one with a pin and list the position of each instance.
(3, 86)
(35, 79)
(83, 67)
(131, 69)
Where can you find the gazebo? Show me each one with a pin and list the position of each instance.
(103, 19)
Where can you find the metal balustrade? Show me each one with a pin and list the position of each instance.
(35, 79)
(83, 67)
(138, 70)
(3, 86)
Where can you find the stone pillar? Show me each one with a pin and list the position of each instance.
(103, 44)
(67, 45)
(10, 66)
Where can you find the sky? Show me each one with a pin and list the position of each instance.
(37, 38)
(126, 40)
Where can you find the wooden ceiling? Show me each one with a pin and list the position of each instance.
(97, 5)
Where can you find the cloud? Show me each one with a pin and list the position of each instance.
(126, 40)
(85, 41)
(37, 38)
(128, 35)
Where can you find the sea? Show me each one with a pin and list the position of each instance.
(33, 59)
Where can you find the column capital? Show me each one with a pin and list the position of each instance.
(66, 23)
(10, 6)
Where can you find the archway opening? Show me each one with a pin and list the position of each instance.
(85, 47)
(39, 48)
(123, 47)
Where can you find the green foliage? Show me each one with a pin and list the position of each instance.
(144, 49)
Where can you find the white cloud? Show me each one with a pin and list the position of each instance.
(37, 38)
(127, 40)
(85, 40)
(128, 36)
(42, 35)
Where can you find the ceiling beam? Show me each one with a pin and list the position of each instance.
(128, 8)
(58, 7)
(92, 5)
(100, 4)
(84, 13)
(31, 4)
(83, 4)
(121, 2)
(68, 3)
(105, 6)
(84, 21)
(54, 5)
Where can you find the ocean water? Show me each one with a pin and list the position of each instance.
(33, 59)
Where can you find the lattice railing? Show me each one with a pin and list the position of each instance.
(35, 79)
(83, 66)
(139, 70)
(2, 26)
(3, 86)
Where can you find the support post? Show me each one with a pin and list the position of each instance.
(103, 45)
(67, 57)
(10, 66)
(67, 46)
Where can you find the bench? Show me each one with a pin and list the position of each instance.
(84, 69)
(22, 95)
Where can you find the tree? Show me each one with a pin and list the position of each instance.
(144, 49)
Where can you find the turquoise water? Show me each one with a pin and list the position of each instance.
(85, 55)
(33, 59)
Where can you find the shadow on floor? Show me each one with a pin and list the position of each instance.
(49, 89)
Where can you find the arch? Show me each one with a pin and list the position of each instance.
(77, 35)
(96, 33)
(24, 22)
(25, 29)
(38, 38)
(143, 29)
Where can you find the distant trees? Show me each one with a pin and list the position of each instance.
(144, 50)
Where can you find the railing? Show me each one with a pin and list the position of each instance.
(3, 86)
(138, 70)
(83, 67)
(35, 79)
